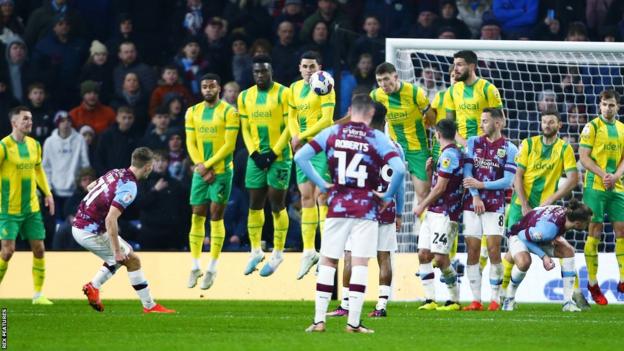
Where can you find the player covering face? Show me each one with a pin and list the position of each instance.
(541, 232)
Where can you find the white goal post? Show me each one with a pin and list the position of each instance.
(530, 76)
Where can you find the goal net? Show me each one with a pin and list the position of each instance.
(531, 77)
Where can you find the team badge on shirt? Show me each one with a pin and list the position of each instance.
(501, 153)
(446, 163)
(585, 131)
(128, 198)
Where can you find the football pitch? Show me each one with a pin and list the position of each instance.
(261, 325)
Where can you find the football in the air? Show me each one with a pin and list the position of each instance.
(321, 83)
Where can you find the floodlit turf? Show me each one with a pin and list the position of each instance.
(258, 325)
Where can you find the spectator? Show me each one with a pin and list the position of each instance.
(395, 16)
(42, 116)
(63, 238)
(491, 30)
(162, 215)
(128, 62)
(91, 112)
(320, 43)
(516, 16)
(169, 83)
(189, 20)
(548, 29)
(7, 102)
(572, 86)
(46, 16)
(596, 12)
(260, 47)
(284, 54)
(576, 118)
(577, 32)
(58, 57)
(124, 33)
(9, 19)
(235, 220)
(156, 137)
(19, 71)
(176, 107)
(241, 61)
(115, 145)
(371, 42)
(215, 49)
(448, 18)
(328, 13)
(191, 64)
(249, 17)
(471, 12)
(230, 93)
(177, 156)
(293, 13)
(425, 26)
(99, 69)
(446, 33)
(89, 136)
(431, 81)
(364, 74)
(134, 97)
(64, 154)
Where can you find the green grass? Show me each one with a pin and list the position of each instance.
(258, 325)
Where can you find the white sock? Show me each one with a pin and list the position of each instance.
(37, 295)
(256, 252)
(357, 289)
(568, 274)
(278, 253)
(450, 277)
(384, 294)
(212, 266)
(138, 282)
(496, 280)
(308, 252)
(516, 278)
(103, 275)
(345, 298)
(426, 277)
(474, 277)
(324, 289)
(196, 264)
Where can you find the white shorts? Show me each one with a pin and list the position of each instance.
(517, 246)
(100, 244)
(488, 223)
(361, 232)
(437, 233)
(387, 240)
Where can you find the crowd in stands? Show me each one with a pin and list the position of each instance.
(104, 77)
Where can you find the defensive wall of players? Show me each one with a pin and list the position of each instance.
(167, 278)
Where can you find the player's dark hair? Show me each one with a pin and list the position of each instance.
(468, 55)
(610, 94)
(15, 111)
(312, 55)
(577, 211)
(141, 156)
(552, 112)
(384, 68)
(494, 112)
(261, 59)
(85, 172)
(447, 129)
(379, 117)
(361, 103)
(211, 76)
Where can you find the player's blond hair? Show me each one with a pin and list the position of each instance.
(142, 156)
